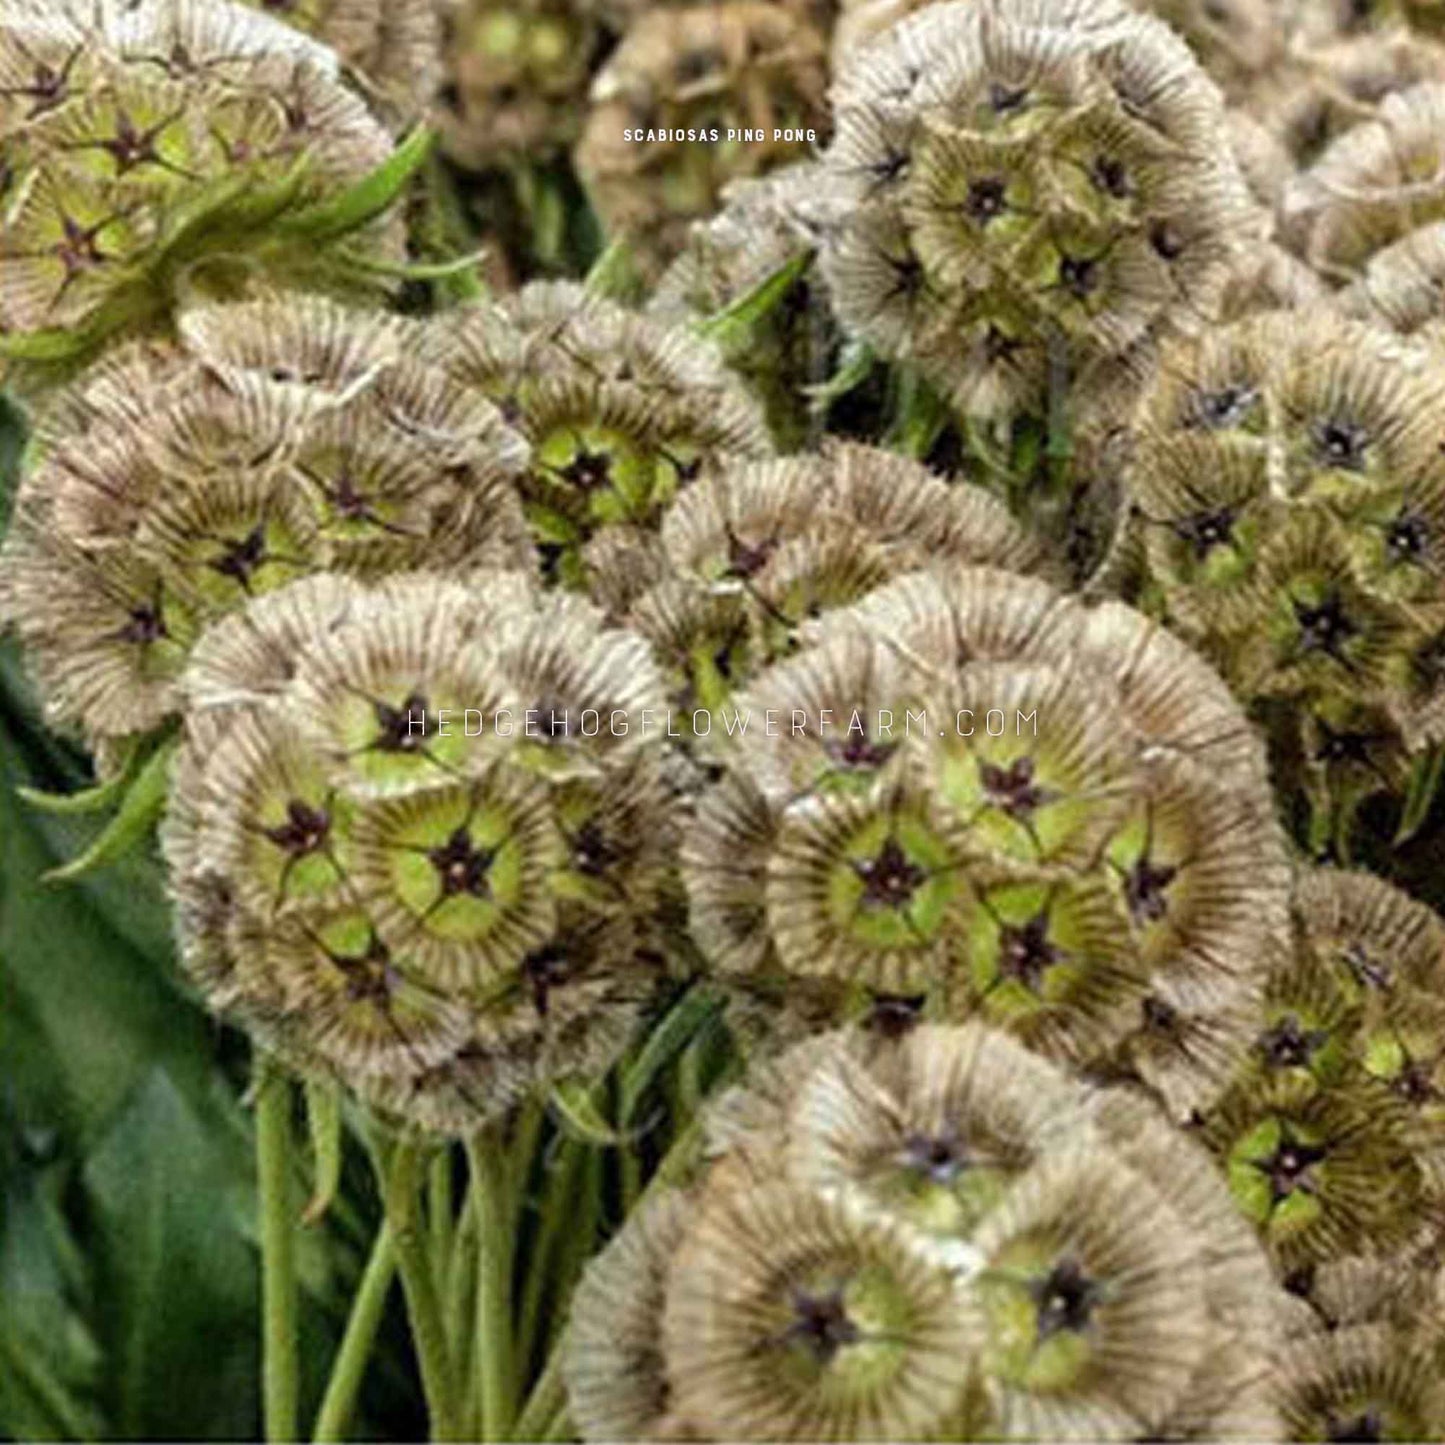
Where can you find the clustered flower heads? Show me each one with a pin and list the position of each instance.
(275, 440)
(440, 908)
(1034, 188)
(1363, 1358)
(391, 48)
(941, 1238)
(621, 413)
(144, 145)
(1333, 1131)
(988, 799)
(746, 560)
(1288, 486)
(665, 131)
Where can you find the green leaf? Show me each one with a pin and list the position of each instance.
(368, 198)
(94, 799)
(669, 1037)
(733, 325)
(919, 417)
(138, 814)
(46, 344)
(1425, 781)
(577, 1113)
(323, 1123)
(50, 1361)
(614, 274)
(855, 365)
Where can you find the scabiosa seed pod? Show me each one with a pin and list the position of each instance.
(690, 100)
(402, 855)
(622, 414)
(279, 439)
(1373, 185)
(166, 148)
(391, 48)
(1096, 1276)
(752, 554)
(1364, 1381)
(1320, 1171)
(518, 73)
(1027, 199)
(1285, 485)
(1400, 287)
(1331, 86)
(1073, 877)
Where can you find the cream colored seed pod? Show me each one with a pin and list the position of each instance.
(623, 415)
(390, 48)
(279, 439)
(1026, 196)
(751, 555)
(985, 805)
(402, 857)
(132, 184)
(869, 1207)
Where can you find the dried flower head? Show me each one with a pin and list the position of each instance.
(168, 148)
(278, 439)
(405, 852)
(391, 48)
(1289, 496)
(1025, 197)
(1373, 185)
(622, 414)
(938, 1237)
(720, 71)
(751, 555)
(996, 802)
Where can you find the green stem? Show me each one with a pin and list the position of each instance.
(495, 1227)
(400, 1180)
(367, 1310)
(278, 1253)
(440, 1209)
(558, 1200)
(548, 1396)
(460, 1304)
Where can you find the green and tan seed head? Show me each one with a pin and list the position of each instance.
(1027, 196)
(518, 73)
(171, 150)
(415, 857)
(937, 1237)
(623, 415)
(277, 440)
(391, 49)
(750, 557)
(979, 806)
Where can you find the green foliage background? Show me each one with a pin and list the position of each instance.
(129, 1261)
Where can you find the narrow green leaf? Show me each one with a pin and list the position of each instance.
(368, 198)
(735, 322)
(132, 824)
(614, 274)
(919, 418)
(676, 1029)
(1425, 781)
(579, 1116)
(854, 367)
(323, 1124)
(415, 270)
(88, 800)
